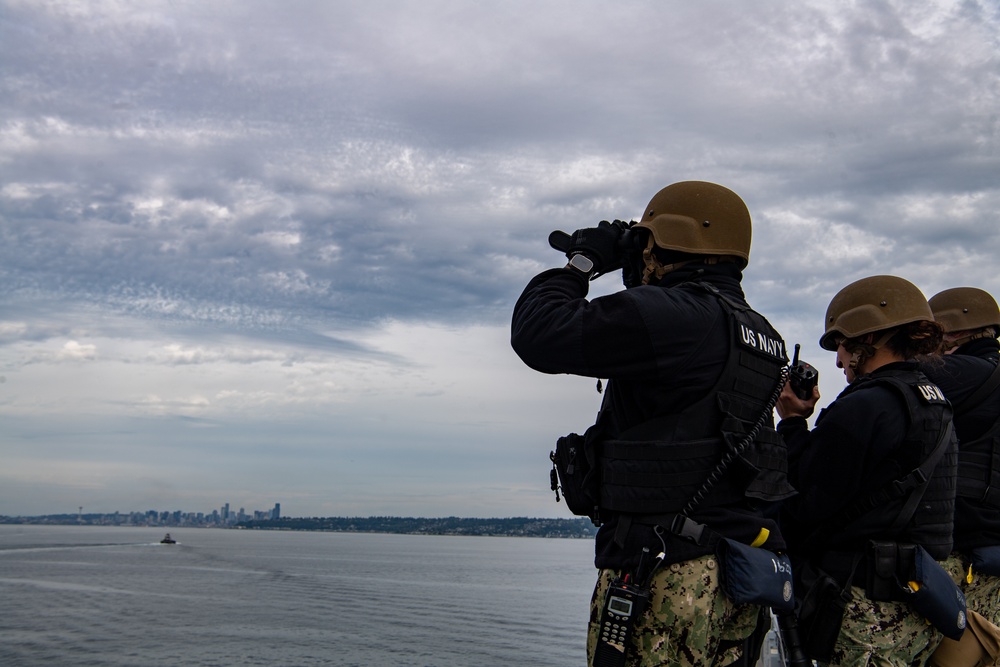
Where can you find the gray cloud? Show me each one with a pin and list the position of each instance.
(231, 209)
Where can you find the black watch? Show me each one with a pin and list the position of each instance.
(582, 263)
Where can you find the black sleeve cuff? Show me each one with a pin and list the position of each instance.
(793, 423)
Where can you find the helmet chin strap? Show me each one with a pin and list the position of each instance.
(987, 332)
(654, 267)
(862, 352)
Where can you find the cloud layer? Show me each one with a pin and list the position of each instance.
(256, 252)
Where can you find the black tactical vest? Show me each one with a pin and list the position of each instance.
(979, 458)
(932, 523)
(659, 466)
(979, 468)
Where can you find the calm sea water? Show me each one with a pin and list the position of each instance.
(78, 595)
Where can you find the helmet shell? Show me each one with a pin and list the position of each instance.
(873, 304)
(700, 218)
(965, 309)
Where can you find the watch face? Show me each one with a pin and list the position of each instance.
(581, 263)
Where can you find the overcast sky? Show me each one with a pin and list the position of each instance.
(258, 252)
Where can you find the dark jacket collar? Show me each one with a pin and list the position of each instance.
(984, 348)
(909, 365)
(722, 275)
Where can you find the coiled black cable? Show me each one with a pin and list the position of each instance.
(730, 456)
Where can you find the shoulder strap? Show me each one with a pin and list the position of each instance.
(715, 291)
(923, 473)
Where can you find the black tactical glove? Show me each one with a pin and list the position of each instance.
(599, 244)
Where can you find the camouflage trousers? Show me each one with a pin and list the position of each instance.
(982, 591)
(882, 634)
(687, 621)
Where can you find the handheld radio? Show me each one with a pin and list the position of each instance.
(802, 376)
(623, 605)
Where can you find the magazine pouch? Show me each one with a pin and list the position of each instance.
(907, 573)
(987, 560)
(934, 594)
(573, 473)
(821, 611)
(886, 560)
(755, 576)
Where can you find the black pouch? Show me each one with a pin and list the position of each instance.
(934, 594)
(986, 560)
(907, 573)
(821, 612)
(576, 477)
(755, 576)
(886, 560)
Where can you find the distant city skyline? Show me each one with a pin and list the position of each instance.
(222, 516)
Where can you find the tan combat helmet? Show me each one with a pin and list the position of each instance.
(965, 309)
(873, 304)
(700, 218)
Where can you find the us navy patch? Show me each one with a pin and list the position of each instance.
(930, 393)
(761, 342)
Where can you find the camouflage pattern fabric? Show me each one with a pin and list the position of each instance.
(882, 634)
(687, 620)
(982, 594)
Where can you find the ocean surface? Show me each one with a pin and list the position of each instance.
(81, 595)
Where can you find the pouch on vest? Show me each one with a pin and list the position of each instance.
(887, 563)
(986, 560)
(821, 612)
(571, 464)
(907, 573)
(756, 576)
(934, 594)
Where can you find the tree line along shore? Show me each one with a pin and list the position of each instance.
(495, 527)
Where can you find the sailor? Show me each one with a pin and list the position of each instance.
(876, 477)
(969, 375)
(691, 369)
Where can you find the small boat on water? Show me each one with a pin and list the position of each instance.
(168, 540)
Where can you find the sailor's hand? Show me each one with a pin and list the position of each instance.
(599, 244)
(790, 405)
